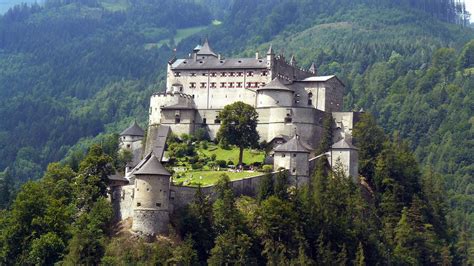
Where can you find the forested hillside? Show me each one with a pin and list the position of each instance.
(73, 70)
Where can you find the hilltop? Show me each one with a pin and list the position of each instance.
(73, 71)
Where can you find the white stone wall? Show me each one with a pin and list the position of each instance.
(131, 143)
(274, 98)
(349, 161)
(165, 99)
(344, 123)
(295, 162)
(186, 120)
(151, 204)
(216, 88)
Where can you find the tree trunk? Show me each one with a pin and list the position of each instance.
(241, 155)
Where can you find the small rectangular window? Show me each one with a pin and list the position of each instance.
(250, 73)
(203, 84)
(193, 74)
(158, 204)
(192, 85)
(177, 74)
(177, 120)
(223, 74)
(222, 84)
(139, 204)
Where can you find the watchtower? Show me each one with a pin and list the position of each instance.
(151, 199)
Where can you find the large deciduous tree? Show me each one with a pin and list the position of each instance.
(239, 126)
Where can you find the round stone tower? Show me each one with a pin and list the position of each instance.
(151, 199)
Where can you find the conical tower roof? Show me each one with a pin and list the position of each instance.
(312, 68)
(276, 84)
(151, 166)
(270, 50)
(293, 145)
(206, 49)
(133, 130)
(292, 60)
(343, 144)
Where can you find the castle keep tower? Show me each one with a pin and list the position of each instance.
(151, 199)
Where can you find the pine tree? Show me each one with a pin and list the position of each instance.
(266, 187)
(360, 257)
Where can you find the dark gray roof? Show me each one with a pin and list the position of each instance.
(156, 140)
(117, 177)
(293, 145)
(343, 144)
(186, 105)
(276, 84)
(133, 130)
(281, 136)
(205, 49)
(216, 63)
(151, 166)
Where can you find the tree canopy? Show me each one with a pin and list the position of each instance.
(239, 126)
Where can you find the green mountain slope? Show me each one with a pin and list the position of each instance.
(71, 70)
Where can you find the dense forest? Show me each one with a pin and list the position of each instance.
(71, 71)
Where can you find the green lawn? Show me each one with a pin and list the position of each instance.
(250, 156)
(180, 35)
(114, 5)
(206, 178)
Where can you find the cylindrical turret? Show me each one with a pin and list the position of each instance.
(275, 94)
(151, 199)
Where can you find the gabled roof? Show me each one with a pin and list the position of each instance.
(133, 130)
(216, 63)
(206, 49)
(322, 79)
(151, 166)
(343, 144)
(117, 177)
(276, 84)
(293, 145)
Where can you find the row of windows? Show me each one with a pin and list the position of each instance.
(225, 74)
(213, 85)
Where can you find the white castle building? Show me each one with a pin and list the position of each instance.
(291, 103)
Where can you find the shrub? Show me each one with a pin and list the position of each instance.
(230, 163)
(213, 157)
(267, 168)
(221, 163)
(196, 166)
(201, 134)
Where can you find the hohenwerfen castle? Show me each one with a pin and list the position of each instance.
(291, 103)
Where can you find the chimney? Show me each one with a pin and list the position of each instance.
(219, 56)
(256, 55)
